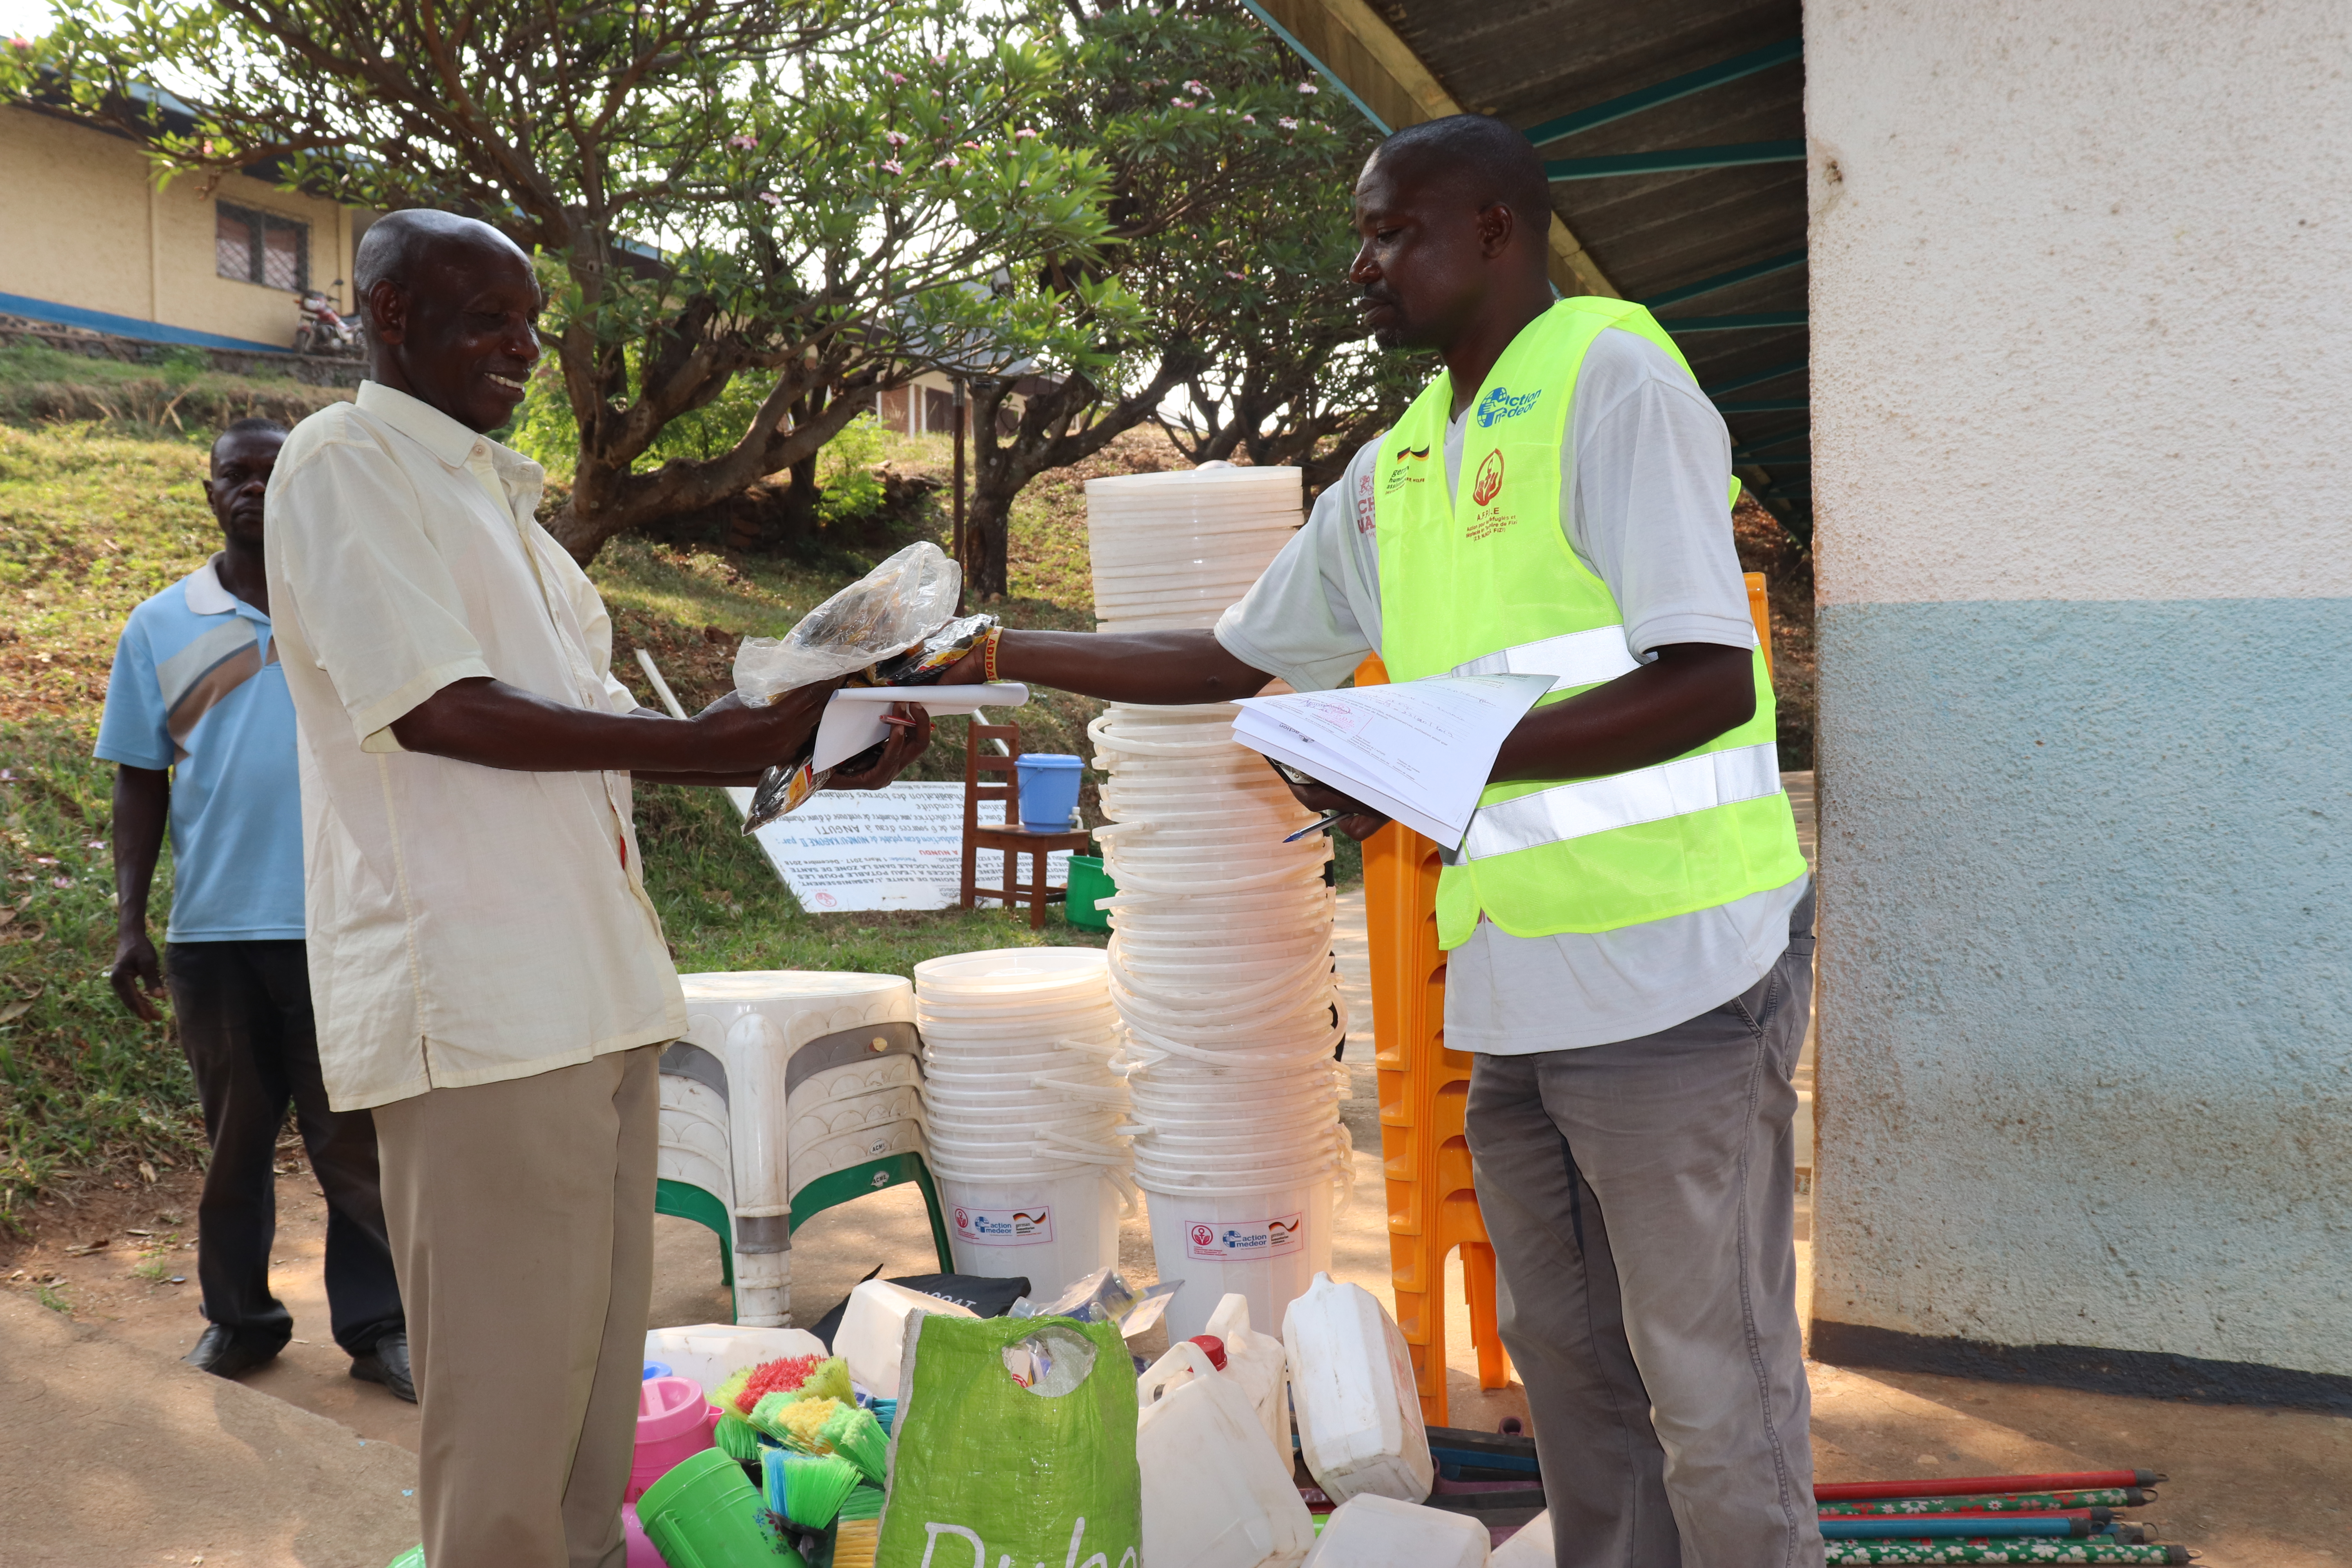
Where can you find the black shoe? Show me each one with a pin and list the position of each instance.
(221, 1353)
(387, 1364)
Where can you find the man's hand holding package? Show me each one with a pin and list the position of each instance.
(496, 725)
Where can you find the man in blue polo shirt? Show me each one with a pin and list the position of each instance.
(200, 728)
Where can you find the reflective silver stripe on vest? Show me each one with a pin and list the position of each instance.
(1578, 659)
(1645, 794)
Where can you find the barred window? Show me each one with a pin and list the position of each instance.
(261, 247)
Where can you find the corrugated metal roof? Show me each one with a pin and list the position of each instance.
(1656, 235)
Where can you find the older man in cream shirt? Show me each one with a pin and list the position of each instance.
(489, 973)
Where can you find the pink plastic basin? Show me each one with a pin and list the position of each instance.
(674, 1420)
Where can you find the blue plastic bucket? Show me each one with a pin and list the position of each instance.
(1049, 789)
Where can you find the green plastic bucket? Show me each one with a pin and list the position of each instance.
(1089, 881)
(705, 1513)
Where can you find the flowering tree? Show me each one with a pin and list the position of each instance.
(1228, 206)
(791, 199)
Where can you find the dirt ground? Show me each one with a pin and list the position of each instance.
(308, 1459)
(312, 1469)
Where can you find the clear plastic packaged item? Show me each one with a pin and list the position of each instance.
(894, 626)
(1102, 1296)
(889, 611)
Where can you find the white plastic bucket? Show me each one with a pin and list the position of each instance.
(1056, 1229)
(1265, 1245)
(1007, 971)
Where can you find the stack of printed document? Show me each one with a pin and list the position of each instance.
(1418, 752)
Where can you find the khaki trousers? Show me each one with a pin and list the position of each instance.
(521, 1222)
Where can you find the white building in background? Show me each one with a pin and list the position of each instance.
(2082, 312)
(93, 242)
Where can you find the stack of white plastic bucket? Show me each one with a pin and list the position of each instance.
(1022, 1110)
(1220, 957)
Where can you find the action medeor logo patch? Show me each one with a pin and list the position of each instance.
(1498, 404)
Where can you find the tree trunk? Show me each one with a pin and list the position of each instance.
(986, 528)
(800, 519)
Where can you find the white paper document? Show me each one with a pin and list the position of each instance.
(1419, 750)
(853, 719)
(894, 848)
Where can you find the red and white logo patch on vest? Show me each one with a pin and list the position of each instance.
(1490, 479)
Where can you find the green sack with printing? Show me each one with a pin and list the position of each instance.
(1015, 1440)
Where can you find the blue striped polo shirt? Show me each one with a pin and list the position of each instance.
(197, 688)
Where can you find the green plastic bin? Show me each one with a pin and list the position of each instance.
(1089, 881)
(704, 1513)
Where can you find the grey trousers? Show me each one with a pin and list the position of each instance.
(1641, 1198)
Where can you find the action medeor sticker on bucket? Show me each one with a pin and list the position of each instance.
(1240, 1240)
(1005, 1228)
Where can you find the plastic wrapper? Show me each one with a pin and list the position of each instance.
(891, 627)
(890, 610)
(1102, 1296)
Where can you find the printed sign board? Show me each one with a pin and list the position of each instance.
(894, 848)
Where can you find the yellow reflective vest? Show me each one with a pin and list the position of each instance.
(1485, 582)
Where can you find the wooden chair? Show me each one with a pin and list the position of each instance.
(1013, 839)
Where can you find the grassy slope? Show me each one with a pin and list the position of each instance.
(96, 517)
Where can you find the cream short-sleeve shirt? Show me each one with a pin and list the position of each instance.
(466, 924)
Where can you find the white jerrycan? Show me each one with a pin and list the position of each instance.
(1359, 1423)
(1258, 1362)
(1214, 1493)
(1374, 1531)
(1529, 1547)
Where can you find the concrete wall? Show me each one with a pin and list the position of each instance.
(2081, 406)
(88, 229)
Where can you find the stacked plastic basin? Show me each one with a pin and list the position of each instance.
(1023, 1112)
(1221, 950)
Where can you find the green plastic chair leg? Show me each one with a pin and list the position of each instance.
(857, 1181)
(683, 1200)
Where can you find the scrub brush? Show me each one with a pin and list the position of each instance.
(854, 1541)
(736, 1437)
(808, 1489)
(806, 1377)
(856, 1436)
(729, 1395)
(858, 1536)
(795, 1422)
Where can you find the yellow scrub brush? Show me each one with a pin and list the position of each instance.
(858, 1536)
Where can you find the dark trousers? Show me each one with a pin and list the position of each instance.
(1641, 1197)
(244, 1010)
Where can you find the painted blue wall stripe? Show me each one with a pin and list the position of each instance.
(130, 326)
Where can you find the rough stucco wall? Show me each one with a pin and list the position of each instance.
(80, 234)
(2079, 331)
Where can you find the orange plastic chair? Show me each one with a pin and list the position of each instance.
(1424, 1092)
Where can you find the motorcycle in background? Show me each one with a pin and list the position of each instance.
(322, 331)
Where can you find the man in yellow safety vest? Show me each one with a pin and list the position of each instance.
(1628, 920)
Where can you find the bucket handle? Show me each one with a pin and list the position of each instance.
(1084, 1091)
